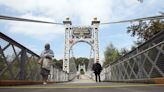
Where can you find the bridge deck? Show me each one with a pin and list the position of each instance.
(86, 85)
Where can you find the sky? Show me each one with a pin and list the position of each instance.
(81, 13)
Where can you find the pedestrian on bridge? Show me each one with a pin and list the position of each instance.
(97, 70)
(46, 64)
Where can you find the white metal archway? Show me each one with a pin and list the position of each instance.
(74, 35)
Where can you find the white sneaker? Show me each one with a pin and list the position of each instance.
(44, 83)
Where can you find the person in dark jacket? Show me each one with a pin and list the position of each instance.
(97, 70)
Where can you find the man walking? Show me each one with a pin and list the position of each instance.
(97, 70)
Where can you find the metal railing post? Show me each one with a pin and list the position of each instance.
(22, 75)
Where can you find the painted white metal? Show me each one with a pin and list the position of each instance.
(75, 35)
(82, 67)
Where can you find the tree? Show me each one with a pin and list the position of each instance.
(2, 64)
(81, 61)
(111, 54)
(136, 44)
(58, 63)
(123, 51)
(146, 30)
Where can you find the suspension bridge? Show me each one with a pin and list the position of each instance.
(140, 70)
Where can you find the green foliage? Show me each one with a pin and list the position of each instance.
(2, 64)
(146, 30)
(31, 68)
(81, 61)
(111, 54)
(136, 44)
(6, 75)
(58, 63)
(124, 51)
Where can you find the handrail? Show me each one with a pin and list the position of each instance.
(145, 62)
(3, 36)
(25, 71)
(140, 46)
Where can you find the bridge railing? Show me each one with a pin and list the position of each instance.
(72, 68)
(144, 62)
(58, 75)
(19, 63)
(16, 61)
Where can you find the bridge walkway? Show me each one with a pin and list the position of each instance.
(85, 84)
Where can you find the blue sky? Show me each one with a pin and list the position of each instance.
(81, 12)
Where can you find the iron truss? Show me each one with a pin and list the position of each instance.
(145, 62)
(19, 63)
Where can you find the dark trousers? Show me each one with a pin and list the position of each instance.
(97, 75)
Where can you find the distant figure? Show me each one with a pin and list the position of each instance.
(46, 56)
(78, 75)
(97, 70)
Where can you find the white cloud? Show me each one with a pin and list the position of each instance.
(56, 10)
(88, 9)
(85, 10)
(33, 48)
(81, 12)
(19, 5)
(40, 31)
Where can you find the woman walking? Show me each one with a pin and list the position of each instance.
(46, 57)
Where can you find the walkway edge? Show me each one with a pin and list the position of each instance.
(149, 81)
(22, 82)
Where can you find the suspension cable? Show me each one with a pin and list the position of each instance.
(137, 19)
(2, 17)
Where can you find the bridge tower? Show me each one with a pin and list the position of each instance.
(81, 67)
(75, 34)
